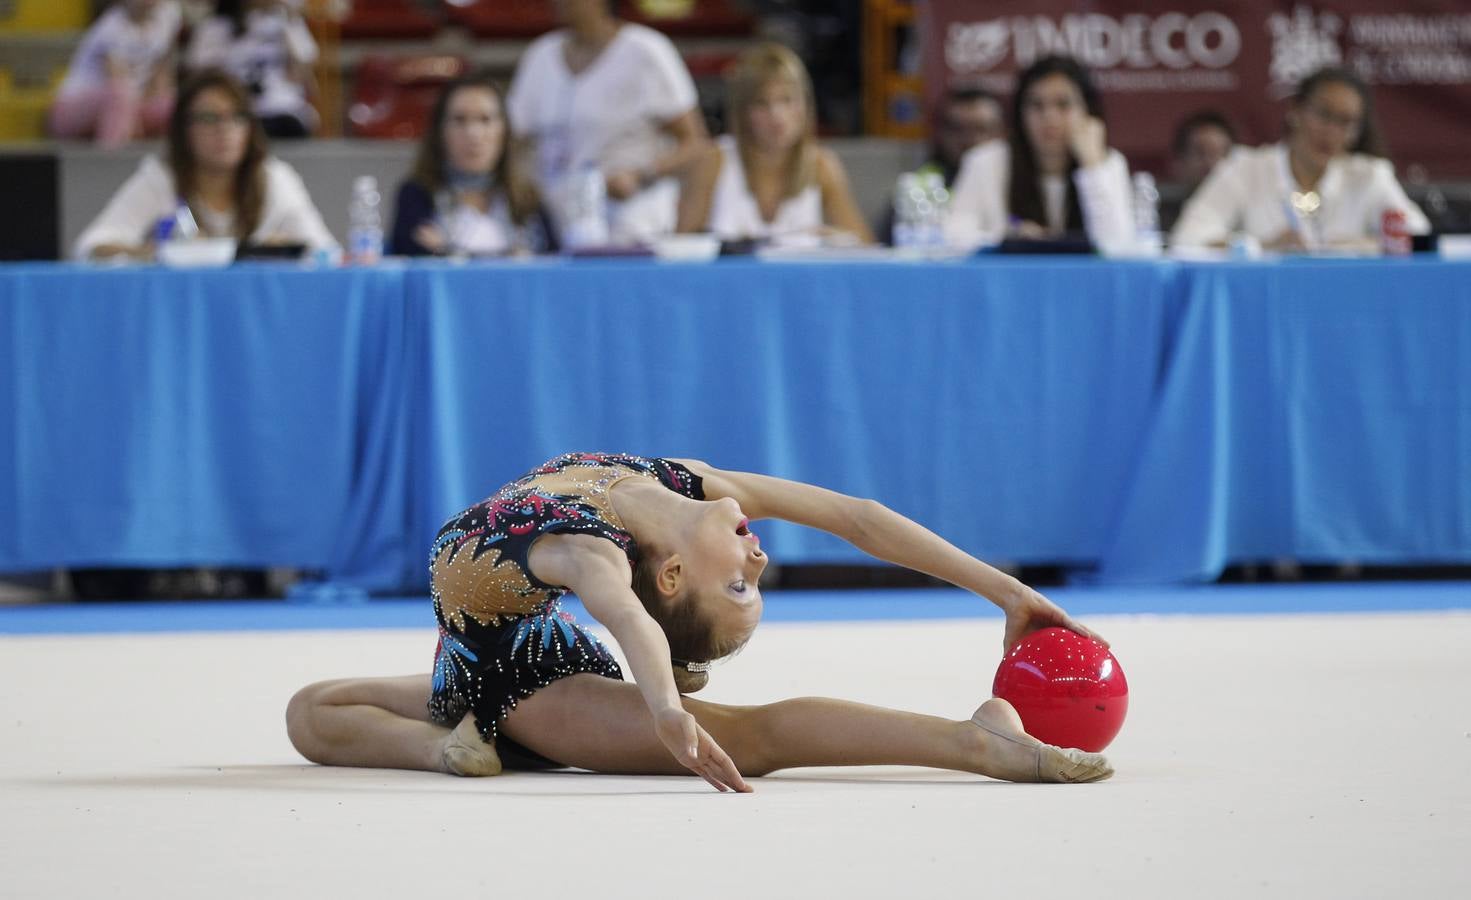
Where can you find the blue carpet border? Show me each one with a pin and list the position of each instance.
(784, 606)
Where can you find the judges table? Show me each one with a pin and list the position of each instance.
(1142, 421)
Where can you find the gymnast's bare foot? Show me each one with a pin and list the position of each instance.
(462, 752)
(1011, 754)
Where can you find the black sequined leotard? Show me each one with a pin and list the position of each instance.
(502, 632)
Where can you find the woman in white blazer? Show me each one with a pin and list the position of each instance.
(1325, 186)
(1055, 177)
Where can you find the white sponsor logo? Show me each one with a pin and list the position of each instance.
(1171, 40)
(1301, 44)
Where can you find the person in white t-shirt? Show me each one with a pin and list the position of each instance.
(268, 47)
(1325, 186)
(216, 165)
(769, 179)
(120, 83)
(612, 95)
(1055, 177)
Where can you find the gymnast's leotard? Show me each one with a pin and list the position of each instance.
(502, 632)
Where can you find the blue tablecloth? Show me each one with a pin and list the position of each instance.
(1154, 421)
(1311, 410)
(246, 416)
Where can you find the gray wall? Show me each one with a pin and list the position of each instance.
(89, 176)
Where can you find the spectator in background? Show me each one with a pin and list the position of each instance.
(612, 95)
(217, 164)
(467, 195)
(1324, 186)
(267, 46)
(120, 84)
(770, 180)
(1055, 177)
(1202, 139)
(964, 118)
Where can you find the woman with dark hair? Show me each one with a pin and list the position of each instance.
(661, 552)
(267, 45)
(1055, 177)
(466, 194)
(217, 166)
(1323, 186)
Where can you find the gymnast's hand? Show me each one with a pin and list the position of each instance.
(697, 751)
(1028, 611)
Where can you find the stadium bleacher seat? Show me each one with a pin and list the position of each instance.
(387, 19)
(529, 18)
(692, 18)
(502, 18)
(23, 108)
(393, 96)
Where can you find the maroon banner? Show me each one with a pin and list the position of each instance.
(1156, 63)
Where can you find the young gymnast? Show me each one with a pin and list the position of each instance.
(660, 552)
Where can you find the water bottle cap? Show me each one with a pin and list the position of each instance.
(365, 183)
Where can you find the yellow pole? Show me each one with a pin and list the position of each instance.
(323, 17)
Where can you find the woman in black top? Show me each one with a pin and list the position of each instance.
(466, 195)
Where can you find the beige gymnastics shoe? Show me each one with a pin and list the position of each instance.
(1017, 756)
(466, 753)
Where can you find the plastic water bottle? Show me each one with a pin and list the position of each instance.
(365, 222)
(935, 209)
(587, 208)
(1147, 239)
(179, 226)
(909, 212)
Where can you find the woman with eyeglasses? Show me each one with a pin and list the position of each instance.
(216, 172)
(1325, 186)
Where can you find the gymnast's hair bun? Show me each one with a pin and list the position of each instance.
(690, 677)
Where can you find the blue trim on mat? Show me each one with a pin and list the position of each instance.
(786, 606)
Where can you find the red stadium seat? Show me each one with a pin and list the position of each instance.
(691, 18)
(529, 18)
(709, 65)
(386, 19)
(393, 96)
(502, 18)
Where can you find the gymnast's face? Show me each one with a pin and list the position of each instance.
(722, 563)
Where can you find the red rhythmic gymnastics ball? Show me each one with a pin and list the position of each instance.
(1068, 689)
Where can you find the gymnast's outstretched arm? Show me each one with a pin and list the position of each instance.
(884, 534)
